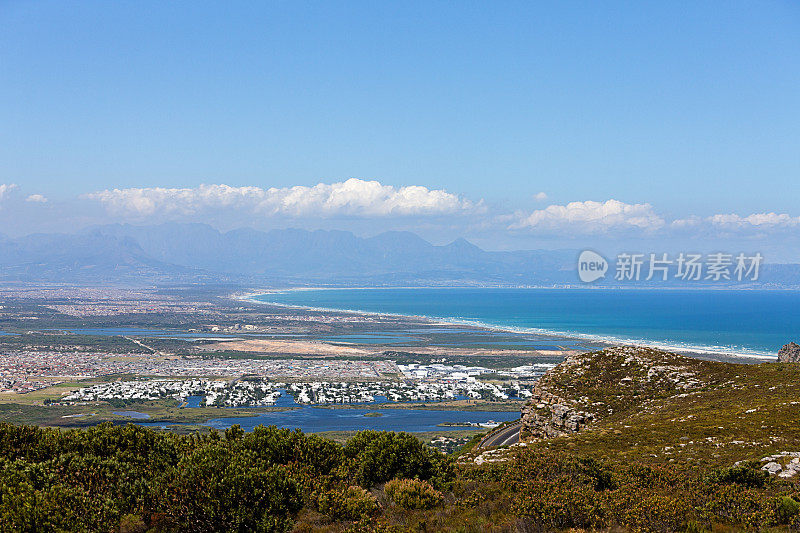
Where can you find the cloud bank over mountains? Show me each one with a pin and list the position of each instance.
(353, 197)
(591, 217)
(370, 200)
(731, 222)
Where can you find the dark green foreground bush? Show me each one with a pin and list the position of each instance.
(132, 479)
(112, 478)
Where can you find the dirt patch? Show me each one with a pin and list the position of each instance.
(283, 347)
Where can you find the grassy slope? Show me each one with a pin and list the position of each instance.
(704, 412)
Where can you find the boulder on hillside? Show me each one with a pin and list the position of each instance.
(790, 353)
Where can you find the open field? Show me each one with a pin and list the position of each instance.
(287, 348)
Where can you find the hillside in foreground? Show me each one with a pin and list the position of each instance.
(625, 439)
(645, 404)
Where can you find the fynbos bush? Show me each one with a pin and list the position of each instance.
(351, 503)
(413, 494)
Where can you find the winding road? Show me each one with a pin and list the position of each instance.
(502, 437)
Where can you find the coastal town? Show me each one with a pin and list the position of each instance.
(461, 372)
(256, 392)
(208, 392)
(25, 371)
(68, 356)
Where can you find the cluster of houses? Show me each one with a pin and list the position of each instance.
(257, 392)
(470, 373)
(323, 392)
(209, 392)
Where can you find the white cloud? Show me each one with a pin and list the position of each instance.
(353, 197)
(733, 223)
(590, 217)
(367, 200)
(756, 220)
(5, 189)
(36, 198)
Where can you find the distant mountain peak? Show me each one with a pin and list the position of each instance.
(198, 253)
(464, 244)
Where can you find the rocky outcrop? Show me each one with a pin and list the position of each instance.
(783, 464)
(546, 415)
(587, 388)
(790, 353)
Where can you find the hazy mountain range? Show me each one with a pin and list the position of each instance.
(191, 253)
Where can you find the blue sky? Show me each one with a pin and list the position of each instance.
(692, 108)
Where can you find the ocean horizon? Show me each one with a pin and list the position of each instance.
(747, 323)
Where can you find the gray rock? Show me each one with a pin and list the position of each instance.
(546, 416)
(772, 468)
(790, 353)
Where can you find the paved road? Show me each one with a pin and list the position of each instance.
(502, 437)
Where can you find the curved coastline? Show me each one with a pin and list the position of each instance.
(727, 351)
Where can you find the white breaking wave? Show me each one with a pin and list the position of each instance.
(733, 351)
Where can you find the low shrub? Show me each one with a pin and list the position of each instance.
(747, 474)
(351, 503)
(131, 523)
(413, 494)
(787, 509)
(376, 457)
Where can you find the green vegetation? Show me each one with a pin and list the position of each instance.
(106, 478)
(676, 444)
(704, 413)
(128, 478)
(413, 494)
(164, 411)
(555, 491)
(346, 503)
(424, 436)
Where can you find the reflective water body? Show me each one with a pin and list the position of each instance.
(132, 414)
(739, 322)
(317, 419)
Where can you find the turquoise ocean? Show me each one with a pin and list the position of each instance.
(747, 323)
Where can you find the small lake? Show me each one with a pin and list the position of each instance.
(371, 338)
(317, 419)
(312, 419)
(193, 401)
